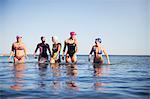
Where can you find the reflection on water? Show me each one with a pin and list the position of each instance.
(72, 73)
(98, 73)
(50, 76)
(126, 77)
(18, 76)
(97, 70)
(42, 75)
(56, 74)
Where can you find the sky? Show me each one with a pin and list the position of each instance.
(123, 25)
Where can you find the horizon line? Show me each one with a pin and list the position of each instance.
(88, 54)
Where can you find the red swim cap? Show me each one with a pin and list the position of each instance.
(72, 33)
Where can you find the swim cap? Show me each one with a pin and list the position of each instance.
(72, 33)
(55, 38)
(98, 39)
(18, 36)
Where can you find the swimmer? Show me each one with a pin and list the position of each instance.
(18, 50)
(43, 46)
(72, 45)
(98, 51)
(55, 58)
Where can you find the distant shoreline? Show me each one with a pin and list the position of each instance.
(85, 55)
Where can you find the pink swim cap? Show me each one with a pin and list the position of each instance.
(72, 33)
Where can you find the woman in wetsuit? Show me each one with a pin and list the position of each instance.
(72, 45)
(98, 50)
(55, 58)
(18, 50)
(43, 56)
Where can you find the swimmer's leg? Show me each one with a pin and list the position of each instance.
(21, 60)
(52, 60)
(98, 60)
(74, 59)
(67, 58)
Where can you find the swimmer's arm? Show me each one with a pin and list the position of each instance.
(64, 49)
(49, 50)
(77, 44)
(12, 52)
(25, 51)
(36, 50)
(91, 51)
(90, 54)
(107, 56)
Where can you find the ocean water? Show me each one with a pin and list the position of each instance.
(128, 77)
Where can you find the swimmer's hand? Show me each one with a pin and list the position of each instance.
(108, 62)
(9, 58)
(26, 57)
(34, 55)
(89, 58)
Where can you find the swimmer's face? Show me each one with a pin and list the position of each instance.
(53, 40)
(97, 42)
(19, 39)
(73, 36)
(43, 39)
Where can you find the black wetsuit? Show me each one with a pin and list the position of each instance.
(43, 50)
(55, 49)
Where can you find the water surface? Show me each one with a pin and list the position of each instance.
(127, 77)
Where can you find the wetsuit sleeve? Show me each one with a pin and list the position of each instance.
(36, 48)
(77, 46)
(64, 46)
(49, 49)
(92, 50)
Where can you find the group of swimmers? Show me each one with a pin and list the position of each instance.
(19, 53)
